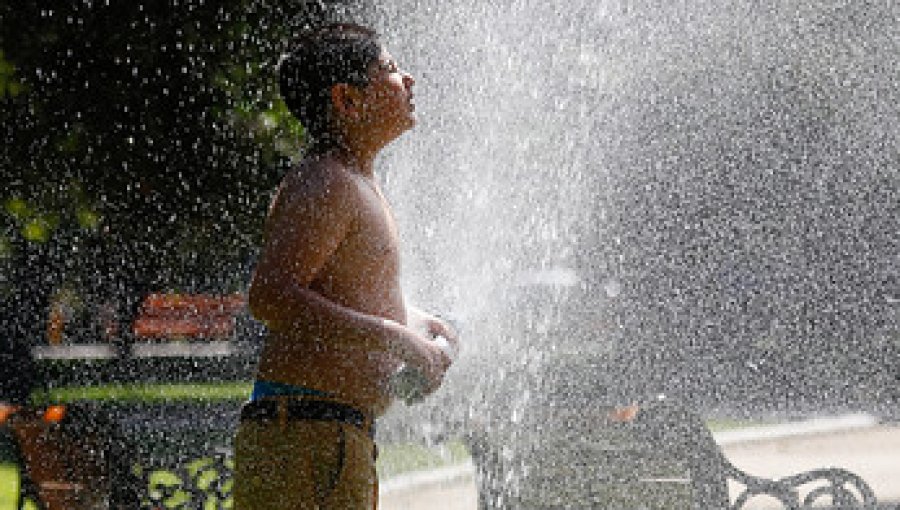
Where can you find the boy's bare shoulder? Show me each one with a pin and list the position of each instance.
(320, 181)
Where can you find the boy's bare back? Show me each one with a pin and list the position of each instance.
(330, 237)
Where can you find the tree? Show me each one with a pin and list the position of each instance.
(139, 145)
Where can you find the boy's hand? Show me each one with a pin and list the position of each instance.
(428, 345)
(434, 368)
(434, 327)
(439, 328)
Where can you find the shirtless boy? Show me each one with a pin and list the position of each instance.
(327, 286)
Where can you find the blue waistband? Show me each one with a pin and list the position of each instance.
(263, 389)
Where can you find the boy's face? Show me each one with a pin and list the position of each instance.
(388, 99)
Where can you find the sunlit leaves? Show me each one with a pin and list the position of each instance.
(278, 117)
(272, 127)
(37, 220)
(87, 219)
(257, 109)
(177, 488)
(73, 141)
(38, 229)
(34, 225)
(18, 208)
(6, 249)
(9, 84)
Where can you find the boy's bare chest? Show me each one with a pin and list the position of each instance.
(375, 237)
(368, 258)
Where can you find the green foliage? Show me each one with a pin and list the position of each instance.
(87, 218)
(9, 84)
(38, 230)
(6, 248)
(18, 208)
(198, 470)
(34, 226)
(147, 137)
(37, 222)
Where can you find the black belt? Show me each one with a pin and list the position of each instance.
(307, 409)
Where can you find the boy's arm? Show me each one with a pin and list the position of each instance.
(307, 222)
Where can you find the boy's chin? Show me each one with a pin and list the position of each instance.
(398, 128)
(405, 125)
(412, 119)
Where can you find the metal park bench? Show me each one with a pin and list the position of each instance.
(673, 432)
(564, 451)
(663, 459)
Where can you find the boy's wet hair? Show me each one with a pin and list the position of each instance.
(318, 59)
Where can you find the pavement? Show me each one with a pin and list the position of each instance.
(856, 442)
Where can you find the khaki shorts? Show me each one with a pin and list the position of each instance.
(303, 464)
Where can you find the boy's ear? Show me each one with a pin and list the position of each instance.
(346, 99)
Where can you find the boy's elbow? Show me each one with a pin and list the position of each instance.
(257, 301)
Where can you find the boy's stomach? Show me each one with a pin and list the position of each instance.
(354, 377)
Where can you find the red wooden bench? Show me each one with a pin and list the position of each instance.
(174, 316)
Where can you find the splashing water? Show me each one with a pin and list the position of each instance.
(614, 198)
(622, 199)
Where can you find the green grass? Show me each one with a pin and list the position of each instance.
(145, 393)
(721, 424)
(396, 459)
(9, 486)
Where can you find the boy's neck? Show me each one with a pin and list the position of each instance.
(358, 149)
(360, 160)
(356, 159)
